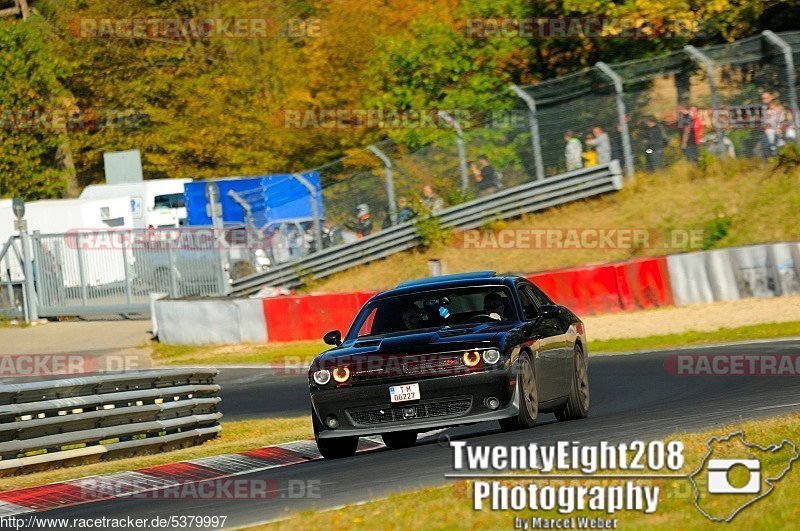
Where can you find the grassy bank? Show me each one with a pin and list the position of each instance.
(732, 203)
(236, 436)
(294, 352)
(723, 335)
(450, 507)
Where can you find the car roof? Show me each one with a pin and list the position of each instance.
(475, 278)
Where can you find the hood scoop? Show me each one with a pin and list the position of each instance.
(454, 333)
(367, 343)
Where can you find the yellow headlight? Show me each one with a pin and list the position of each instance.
(341, 374)
(471, 358)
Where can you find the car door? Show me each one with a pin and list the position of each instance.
(547, 350)
(559, 325)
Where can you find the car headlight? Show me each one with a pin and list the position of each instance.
(471, 358)
(341, 374)
(322, 377)
(491, 356)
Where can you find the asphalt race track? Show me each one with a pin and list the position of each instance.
(633, 397)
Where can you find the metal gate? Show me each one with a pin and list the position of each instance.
(114, 271)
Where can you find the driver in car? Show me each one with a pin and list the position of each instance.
(411, 317)
(493, 306)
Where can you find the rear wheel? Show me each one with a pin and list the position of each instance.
(399, 439)
(577, 406)
(333, 448)
(528, 397)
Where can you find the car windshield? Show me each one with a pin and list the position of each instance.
(434, 309)
(169, 201)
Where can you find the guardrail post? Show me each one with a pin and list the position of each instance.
(622, 116)
(533, 121)
(788, 57)
(314, 208)
(703, 60)
(462, 151)
(387, 164)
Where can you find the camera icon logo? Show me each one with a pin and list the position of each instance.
(735, 474)
(719, 476)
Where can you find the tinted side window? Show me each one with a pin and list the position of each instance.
(528, 305)
(539, 297)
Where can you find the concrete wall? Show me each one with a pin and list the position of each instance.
(210, 321)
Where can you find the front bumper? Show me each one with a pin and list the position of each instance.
(445, 401)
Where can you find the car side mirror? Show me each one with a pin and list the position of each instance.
(548, 311)
(334, 337)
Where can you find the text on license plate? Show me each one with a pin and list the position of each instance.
(404, 393)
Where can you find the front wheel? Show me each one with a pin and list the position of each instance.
(577, 406)
(528, 397)
(333, 448)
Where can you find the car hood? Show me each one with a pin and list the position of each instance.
(429, 341)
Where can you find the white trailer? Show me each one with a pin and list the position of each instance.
(154, 203)
(102, 260)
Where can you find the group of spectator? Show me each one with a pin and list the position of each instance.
(598, 144)
(776, 127)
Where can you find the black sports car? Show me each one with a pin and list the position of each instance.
(444, 351)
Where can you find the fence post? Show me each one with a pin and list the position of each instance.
(127, 266)
(387, 164)
(215, 213)
(788, 57)
(27, 259)
(533, 121)
(314, 208)
(462, 152)
(703, 60)
(622, 116)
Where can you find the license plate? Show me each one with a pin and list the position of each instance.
(404, 393)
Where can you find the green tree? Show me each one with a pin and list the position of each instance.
(31, 117)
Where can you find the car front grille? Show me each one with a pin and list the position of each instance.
(447, 408)
(447, 364)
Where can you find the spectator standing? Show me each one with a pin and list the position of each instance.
(486, 176)
(691, 129)
(362, 225)
(590, 155)
(573, 151)
(602, 144)
(655, 141)
(404, 211)
(431, 200)
(772, 122)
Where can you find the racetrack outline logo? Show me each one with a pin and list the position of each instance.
(723, 463)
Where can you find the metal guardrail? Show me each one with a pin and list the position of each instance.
(50, 421)
(529, 197)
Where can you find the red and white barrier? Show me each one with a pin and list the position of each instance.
(727, 274)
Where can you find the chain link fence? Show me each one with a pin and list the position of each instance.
(732, 100)
(719, 101)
